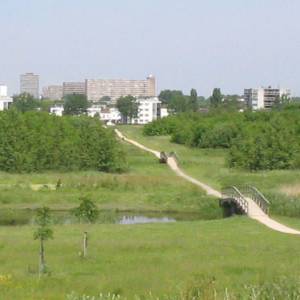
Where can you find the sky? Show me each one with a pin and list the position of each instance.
(202, 44)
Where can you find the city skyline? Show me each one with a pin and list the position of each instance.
(194, 44)
(52, 88)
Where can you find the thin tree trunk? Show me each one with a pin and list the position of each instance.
(42, 257)
(85, 244)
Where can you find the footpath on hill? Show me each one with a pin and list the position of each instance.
(255, 211)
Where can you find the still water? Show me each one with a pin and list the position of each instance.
(17, 217)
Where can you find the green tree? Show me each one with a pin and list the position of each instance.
(105, 100)
(46, 104)
(194, 104)
(25, 102)
(216, 98)
(128, 108)
(166, 96)
(284, 100)
(277, 103)
(36, 141)
(281, 101)
(75, 104)
(43, 233)
(87, 212)
(232, 103)
(179, 104)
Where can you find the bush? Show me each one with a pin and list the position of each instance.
(256, 140)
(36, 141)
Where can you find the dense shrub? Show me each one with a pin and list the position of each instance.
(266, 146)
(36, 141)
(256, 140)
(198, 130)
(163, 126)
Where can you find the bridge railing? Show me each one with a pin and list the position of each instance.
(233, 192)
(254, 194)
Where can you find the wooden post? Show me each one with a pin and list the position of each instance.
(85, 244)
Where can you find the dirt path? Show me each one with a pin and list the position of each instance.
(254, 212)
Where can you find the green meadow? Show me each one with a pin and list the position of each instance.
(129, 260)
(135, 259)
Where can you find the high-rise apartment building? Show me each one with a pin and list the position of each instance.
(53, 92)
(116, 88)
(74, 88)
(29, 83)
(264, 98)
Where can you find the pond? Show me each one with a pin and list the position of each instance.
(17, 217)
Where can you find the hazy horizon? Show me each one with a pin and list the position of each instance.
(185, 44)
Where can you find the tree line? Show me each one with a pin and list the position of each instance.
(177, 102)
(36, 141)
(262, 140)
(73, 104)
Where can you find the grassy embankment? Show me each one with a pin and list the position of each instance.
(282, 187)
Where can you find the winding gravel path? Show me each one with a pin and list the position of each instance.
(254, 212)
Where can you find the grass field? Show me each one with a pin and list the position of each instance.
(147, 185)
(135, 259)
(209, 165)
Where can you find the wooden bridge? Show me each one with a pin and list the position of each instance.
(237, 200)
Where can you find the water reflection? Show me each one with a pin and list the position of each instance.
(128, 220)
(17, 217)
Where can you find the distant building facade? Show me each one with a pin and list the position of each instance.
(116, 88)
(5, 101)
(149, 110)
(74, 88)
(53, 92)
(107, 115)
(164, 112)
(29, 83)
(57, 110)
(264, 98)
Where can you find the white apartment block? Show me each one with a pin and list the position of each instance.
(29, 83)
(5, 101)
(53, 92)
(116, 88)
(149, 110)
(264, 98)
(107, 115)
